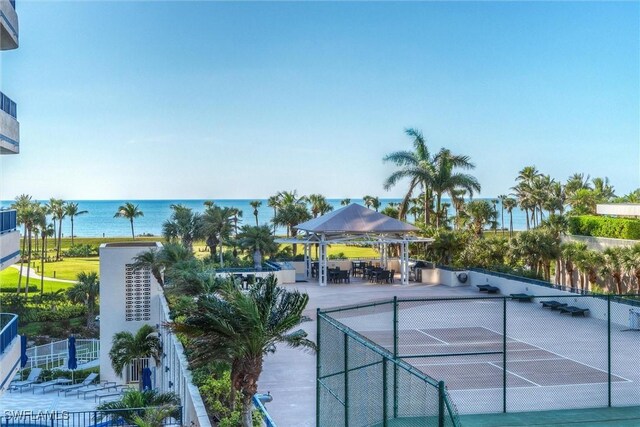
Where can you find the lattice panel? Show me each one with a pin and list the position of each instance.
(137, 291)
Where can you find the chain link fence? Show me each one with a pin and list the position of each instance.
(389, 360)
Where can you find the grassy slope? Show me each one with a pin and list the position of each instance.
(9, 279)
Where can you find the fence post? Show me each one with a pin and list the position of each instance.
(609, 349)
(395, 357)
(441, 404)
(318, 367)
(504, 354)
(384, 392)
(346, 380)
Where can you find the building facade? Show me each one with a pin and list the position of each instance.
(9, 235)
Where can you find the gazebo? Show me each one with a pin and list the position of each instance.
(357, 225)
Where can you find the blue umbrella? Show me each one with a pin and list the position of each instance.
(23, 351)
(146, 379)
(72, 362)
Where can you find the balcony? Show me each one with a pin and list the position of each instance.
(9, 349)
(9, 238)
(8, 25)
(9, 126)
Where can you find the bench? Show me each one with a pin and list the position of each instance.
(574, 311)
(488, 289)
(522, 297)
(553, 305)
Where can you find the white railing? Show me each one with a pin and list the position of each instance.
(173, 374)
(55, 354)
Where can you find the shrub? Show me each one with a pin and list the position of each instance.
(339, 255)
(62, 313)
(32, 288)
(604, 226)
(81, 250)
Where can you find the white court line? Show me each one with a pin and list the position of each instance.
(475, 363)
(514, 374)
(431, 336)
(560, 355)
(463, 390)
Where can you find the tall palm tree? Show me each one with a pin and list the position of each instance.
(32, 215)
(130, 212)
(481, 213)
(184, 225)
(319, 205)
(446, 179)
(345, 202)
(255, 204)
(417, 166)
(603, 188)
(21, 204)
(502, 198)
(274, 202)
(152, 260)
(241, 328)
(46, 231)
(613, 266)
(86, 291)
(510, 203)
(72, 210)
(127, 348)
(631, 262)
(58, 212)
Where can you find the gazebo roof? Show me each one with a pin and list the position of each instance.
(355, 219)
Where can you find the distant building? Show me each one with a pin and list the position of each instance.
(129, 299)
(9, 234)
(619, 209)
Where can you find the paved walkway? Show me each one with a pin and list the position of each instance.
(36, 276)
(289, 374)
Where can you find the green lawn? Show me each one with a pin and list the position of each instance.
(9, 279)
(69, 268)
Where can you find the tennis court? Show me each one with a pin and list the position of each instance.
(472, 358)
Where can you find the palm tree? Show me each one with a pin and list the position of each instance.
(259, 241)
(502, 198)
(524, 190)
(127, 348)
(368, 201)
(86, 291)
(274, 202)
(614, 266)
(150, 403)
(510, 203)
(319, 205)
(631, 262)
(417, 166)
(184, 225)
(289, 216)
(481, 213)
(255, 204)
(345, 202)
(446, 180)
(241, 328)
(32, 215)
(58, 212)
(152, 260)
(130, 212)
(217, 225)
(21, 204)
(46, 231)
(71, 210)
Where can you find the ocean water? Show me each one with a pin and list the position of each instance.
(99, 221)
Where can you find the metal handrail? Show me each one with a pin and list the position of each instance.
(8, 220)
(9, 323)
(8, 106)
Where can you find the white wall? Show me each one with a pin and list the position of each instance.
(113, 258)
(444, 277)
(8, 359)
(9, 244)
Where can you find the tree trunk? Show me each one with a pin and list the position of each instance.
(44, 240)
(438, 201)
(526, 214)
(427, 213)
(26, 285)
(59, 240)
(510, 224)
(71, 231)
(24, 242)
(133, 235)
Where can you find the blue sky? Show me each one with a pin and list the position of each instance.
(240, 100)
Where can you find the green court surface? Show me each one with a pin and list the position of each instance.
(600, 417)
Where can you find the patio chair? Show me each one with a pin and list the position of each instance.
(483, 288)
(43, 386)
(383, 276)
(87, 381)
(95, 388)
(344, 276)
(392, 275)
(34, 375)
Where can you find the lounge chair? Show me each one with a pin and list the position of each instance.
(112, 392)
(94, 388)
(87, 381)
(574, 311)
(483, 288)
(522, 297)
(52, 384)
(34, 375)
(553, 305)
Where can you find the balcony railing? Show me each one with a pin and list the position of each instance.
(8, 330)
(8, 106)
(8, 221)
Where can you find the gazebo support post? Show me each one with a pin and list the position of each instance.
(405, 260)
(307, 260)
(322, 262)
(403, 264)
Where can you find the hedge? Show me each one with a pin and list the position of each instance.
(32, 288)
(605, 226)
